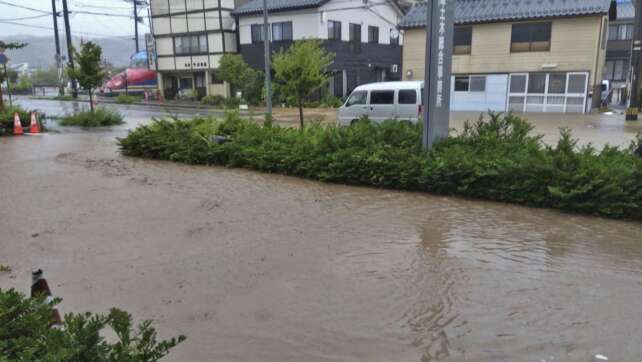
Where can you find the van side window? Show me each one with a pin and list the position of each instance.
(407, 96)
(382, 97)
(358, 97)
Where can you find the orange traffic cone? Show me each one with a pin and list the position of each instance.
(39, 286)
(35, 127)
(17, 126)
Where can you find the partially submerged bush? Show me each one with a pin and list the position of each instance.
(6, 119)
(100, 117)
(496, 158)
(25, 334)
(127, 99)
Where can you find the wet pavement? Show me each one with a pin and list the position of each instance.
(259, 267)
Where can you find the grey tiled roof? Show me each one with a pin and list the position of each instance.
(479, 11)
(625, 10)
(256, 6)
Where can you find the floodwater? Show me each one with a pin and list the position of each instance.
(259, 267)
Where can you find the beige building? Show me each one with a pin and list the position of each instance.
(190, 37)
(522, 55)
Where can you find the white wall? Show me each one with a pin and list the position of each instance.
(313, 23)
(379, 13)
(494, 98)
(305, 24)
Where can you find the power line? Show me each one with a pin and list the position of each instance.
(26, 17)
(25, 7)
(74, 32)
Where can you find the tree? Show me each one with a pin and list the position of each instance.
(7, 46)
(302, 69)
(241, 77)
(88, 70)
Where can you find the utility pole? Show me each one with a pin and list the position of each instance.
(70, 46)
(136, 25)
(634, 99)
(268, 80)
(61, 87)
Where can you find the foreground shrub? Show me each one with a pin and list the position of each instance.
(100, 117)
(496, 159)
(6, 119)
(127, 99)
(216, 100)
(25, 334)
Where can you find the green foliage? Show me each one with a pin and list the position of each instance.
(6, 119)
(127, 99)
(495, 158)
(25, 334)
(216, 100)
(241, 77)
(5, 268)
(11, 74)
(100, 117)
(88, 69)
(301, 69)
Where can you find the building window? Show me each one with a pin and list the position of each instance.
(557, 83)
(257, 33)
(355, 38)
(373, 35)
(463, 38)
(282, 31)
(394, 37)
(215, 77)
(621, 32)
(190, 44)
(470, 83)
(382, 97)
(334, 30)
(537, 83)
(616, 69)
(531, 37)
(407, 96)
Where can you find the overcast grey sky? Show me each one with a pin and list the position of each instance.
(115, 19)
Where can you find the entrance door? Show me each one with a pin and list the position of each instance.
(548, 92)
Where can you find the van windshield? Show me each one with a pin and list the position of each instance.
(358, 97)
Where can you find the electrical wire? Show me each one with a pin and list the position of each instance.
(24, 7)
(26, 17)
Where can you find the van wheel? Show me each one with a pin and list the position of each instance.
(354, 121)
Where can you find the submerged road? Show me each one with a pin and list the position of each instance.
(259, 267)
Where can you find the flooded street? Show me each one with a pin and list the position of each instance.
(259, 267)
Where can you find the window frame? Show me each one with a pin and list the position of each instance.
(332, 31)
(282, 26)
(531, 32)
(414, 91)
(373, 34)
(184, 44)
(465, 49)
(355, 42)
(260, 39)
(469, 83)
(381, 91)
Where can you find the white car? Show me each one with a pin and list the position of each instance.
(382, 101)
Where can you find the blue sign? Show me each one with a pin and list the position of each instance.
(3, 59)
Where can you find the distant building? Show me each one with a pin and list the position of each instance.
(617, 68)
(521, 55)
(190, 37)
(362, 34)
(21, 68)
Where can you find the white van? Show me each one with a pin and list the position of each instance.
(382, 101)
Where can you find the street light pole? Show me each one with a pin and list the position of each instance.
(634, 99)
(61, 88)
(70, 47)
(268, 80)
(136, 25)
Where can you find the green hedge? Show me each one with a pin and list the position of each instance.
(100, 117)
(6, 119)
(128, 99)
(495, 159)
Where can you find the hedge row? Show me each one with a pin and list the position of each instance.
(497, 158)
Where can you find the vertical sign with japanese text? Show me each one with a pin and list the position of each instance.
(439, 45)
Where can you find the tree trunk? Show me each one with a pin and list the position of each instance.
(301, 112)
(91, 100)
(1, 98)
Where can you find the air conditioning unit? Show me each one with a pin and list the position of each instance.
(394, 68)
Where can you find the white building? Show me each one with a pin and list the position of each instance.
(190, 38)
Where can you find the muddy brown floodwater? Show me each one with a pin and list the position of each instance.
(258, 267)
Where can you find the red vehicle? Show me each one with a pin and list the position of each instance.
(134, 80)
